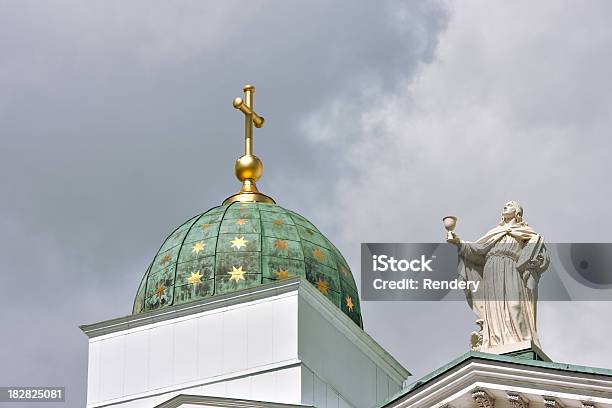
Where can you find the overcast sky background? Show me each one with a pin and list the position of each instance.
(116, 125)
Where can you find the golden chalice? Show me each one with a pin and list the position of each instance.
(450, 221)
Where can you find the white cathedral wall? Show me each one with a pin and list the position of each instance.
(187, 351)
(318, 393)
(294, 347)
(339, 372)
(282, 385)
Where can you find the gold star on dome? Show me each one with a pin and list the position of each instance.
(282, 274)
(319, 255)
(309, 231)
(349, 303)
(238, 242)
(241, 221)
(277, 222)
(323, 286)
(160, 290)
(236, 274)
(197, 247)
(281, 244)
(343, 270)
(138, 306)
(165, 260)
(195, 278)
(204, 226)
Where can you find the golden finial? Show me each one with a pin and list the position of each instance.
(248, 168)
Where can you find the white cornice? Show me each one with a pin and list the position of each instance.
(184, 399)
(172, 312)
(507, 377)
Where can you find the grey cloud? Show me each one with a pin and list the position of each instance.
(116, 126)
(514, 105)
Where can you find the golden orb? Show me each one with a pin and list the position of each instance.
(248, 167)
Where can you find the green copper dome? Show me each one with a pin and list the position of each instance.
(241, 245)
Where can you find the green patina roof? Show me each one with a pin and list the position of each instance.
(265, 241)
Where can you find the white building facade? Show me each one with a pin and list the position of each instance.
(280, 343)
(483, 380)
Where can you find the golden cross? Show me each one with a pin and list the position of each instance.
(248, 168)
(250, 117)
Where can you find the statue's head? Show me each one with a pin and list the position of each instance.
(512, 210)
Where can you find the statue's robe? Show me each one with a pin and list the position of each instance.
(508, 261)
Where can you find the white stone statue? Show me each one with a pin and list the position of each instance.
(508, 260)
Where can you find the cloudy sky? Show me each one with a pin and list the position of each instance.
(116, 125)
